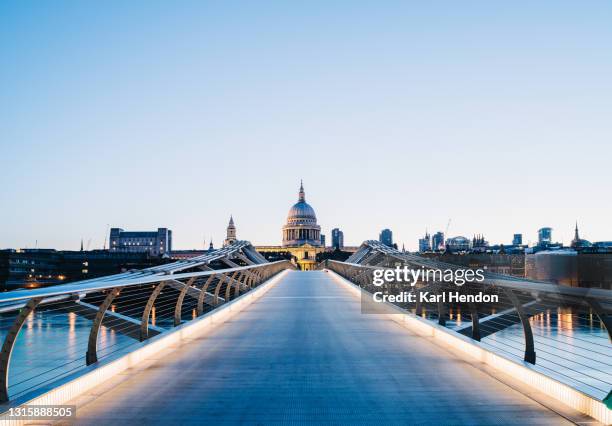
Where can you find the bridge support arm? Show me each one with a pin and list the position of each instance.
(441, 308)
(530, 355)
(202, 296)
(92, 345)
(475, 321)
(144, 325)
(9, 343)
(604, 317)
(178, 309)
(228, 288)
(218, 288)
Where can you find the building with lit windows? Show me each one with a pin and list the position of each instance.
(156, 243)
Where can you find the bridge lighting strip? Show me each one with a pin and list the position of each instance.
(523, 372)
(71, 387)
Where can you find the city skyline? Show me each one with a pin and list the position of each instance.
(398, 116)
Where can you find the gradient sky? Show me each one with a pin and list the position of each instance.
(396, 114)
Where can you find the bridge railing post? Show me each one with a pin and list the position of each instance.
(144, 322)
(530, 355)
(9, 343)
(91, 356)
(178, 309)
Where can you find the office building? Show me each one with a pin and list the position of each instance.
(337, 239)
(437, 241)
(156, 243)
(544, 236)
(425, 243)
(386, 237)
(517, 240)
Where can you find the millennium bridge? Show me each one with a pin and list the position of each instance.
(229, 337)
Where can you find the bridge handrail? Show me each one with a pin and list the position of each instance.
(522, 285)
(135, 305)
(98, 285)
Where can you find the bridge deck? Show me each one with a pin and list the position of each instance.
(304, 353)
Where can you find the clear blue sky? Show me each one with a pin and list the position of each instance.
(396, 114)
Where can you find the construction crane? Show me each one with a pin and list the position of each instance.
(446, 230)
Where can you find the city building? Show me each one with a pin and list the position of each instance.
(337, 239)
(425, 243)
(230, 236)
(437, 241)
(386, 237)
(322, 240)
(33, 268)
(544, 236)
(517, 239)
(479, 244)
(457, 244)
(156, 243)
(301, 235)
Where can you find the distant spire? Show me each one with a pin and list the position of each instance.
(210, 247)
(302, 197)
(81, 244)
(576, 237)
(231, 222)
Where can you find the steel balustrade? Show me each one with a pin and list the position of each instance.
(585, 362)
(140, 297)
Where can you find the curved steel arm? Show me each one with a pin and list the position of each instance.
(441, 308)
(240, 281)
(217, 288)
(603, 316)
(144, 325)
(202, 296)
(9, 343)
(475, 321)
(228, 288)
(530, 355)
(92, 346)
(418, 309)
(179, 301)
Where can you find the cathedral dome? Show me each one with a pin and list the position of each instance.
(301, 227)
(301, 210)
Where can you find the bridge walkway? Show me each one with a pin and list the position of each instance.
(304, 353)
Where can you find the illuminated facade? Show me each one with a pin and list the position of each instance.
(157, 243)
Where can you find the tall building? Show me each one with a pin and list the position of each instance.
(337, 239)
(517, 240)
(157, 243)
(322, 240)
(386, 237)
(544, 236)
(425, 243)
(437, 241)
(231, 233)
